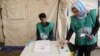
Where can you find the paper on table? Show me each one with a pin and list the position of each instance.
(42, 46)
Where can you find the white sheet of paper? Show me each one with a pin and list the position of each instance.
(42, 46)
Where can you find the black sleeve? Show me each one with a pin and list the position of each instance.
(38, 35)
(96, 27)
(69, 34)
(51, 35)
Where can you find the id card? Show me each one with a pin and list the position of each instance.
(82, 35)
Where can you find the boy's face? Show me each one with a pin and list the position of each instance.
(75, 11)
(43, 20)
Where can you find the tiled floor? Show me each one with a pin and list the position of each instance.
(96, 52)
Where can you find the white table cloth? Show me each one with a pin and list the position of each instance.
(54, 50)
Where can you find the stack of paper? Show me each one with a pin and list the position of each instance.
(42, 46)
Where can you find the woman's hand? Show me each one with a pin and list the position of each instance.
(90, 36)
(63, 42)
(66, 41)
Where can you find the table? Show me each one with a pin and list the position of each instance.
(54, 50)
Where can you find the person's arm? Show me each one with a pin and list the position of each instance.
(51, 35)
(69, 34)
(37, 34)
(96, 27)
(94, 17)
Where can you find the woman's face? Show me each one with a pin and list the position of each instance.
(75, 11)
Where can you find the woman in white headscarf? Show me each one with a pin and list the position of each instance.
(85, 24)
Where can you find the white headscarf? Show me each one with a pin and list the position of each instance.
(80, 5)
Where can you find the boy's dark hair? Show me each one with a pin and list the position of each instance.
(42, 15)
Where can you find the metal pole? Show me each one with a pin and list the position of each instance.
(57, 20)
